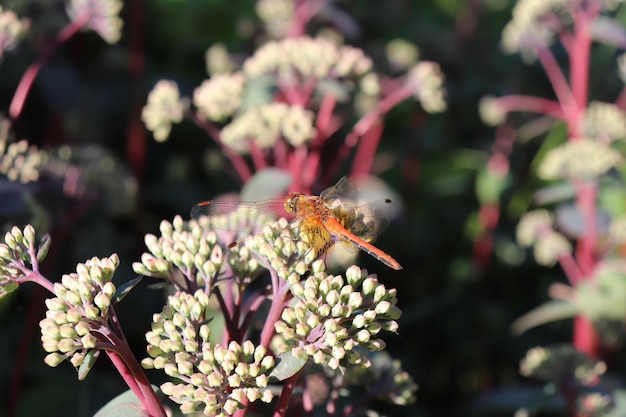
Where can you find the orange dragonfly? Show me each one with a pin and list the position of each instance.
(331, 217)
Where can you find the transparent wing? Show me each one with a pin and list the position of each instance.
(237, 215)
(344, 193)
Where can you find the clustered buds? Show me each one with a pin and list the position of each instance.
(20, 161)
(215, 380)
(81, 307)
(579, 159)
(385, 379)
(101, 16)
(535, 230)
(18, 254)
(566, 366)
(164, 107)
(334, 317)
(264, 125)
(185, 253)
(12, 30)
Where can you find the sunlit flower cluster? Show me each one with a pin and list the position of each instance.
(218, 61)
(535, 229)
(81, 306)
(265, 125)
(278, 16)
(219, 97)
(426, 80)
(20, 161)
(12, 30)
(561, 364)
(491, 112)
(164, 107)
(334, 318)
(185, 253)
(101, 16)
(579, 159)
(385, 377)
(604, 122)
(401, 54)
(215, 380)
(530, 28)
(17, 255)
(298, 59)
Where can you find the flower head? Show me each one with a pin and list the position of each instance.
(220, 97)
(81, 306)
(101, 16)
(426, 80)
(335, 319)
(214, 379)
(265, 125)
(164, 107)
(12, 30)
(580, 159)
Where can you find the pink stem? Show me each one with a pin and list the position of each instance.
(560, 86)
(237, 160)
(365, 123)
(19, 98)
(285, 394)
(366, 151)
(518, 102)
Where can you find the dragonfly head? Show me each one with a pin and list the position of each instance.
(291, 202)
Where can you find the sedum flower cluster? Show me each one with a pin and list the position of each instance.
(334, 320)
(579, 159)
(196, 253)
(533, 24)
(20, 161)
(604, 122)
(101, 16)
(215, 380)
(12, 30)
(566, 366)
(264, 125)
(164, 107)
(18, 255)
(535, 230)
(80, 309)
(385, 379)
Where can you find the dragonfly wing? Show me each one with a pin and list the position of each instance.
(344, 193)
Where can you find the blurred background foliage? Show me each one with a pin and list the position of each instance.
(454, 336)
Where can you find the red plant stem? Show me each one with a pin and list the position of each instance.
(21, 92)
(519, 102)
(133, 375)
(281, 294)
(364, 124)
(366, 151)
(239, 164)
(285, 394)
(257, 156)
(296, 165)
(571, 269)
(324, 118)
(560, 86)
(588, 243)
(579, 62)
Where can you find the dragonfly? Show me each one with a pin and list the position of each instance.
(333, 216)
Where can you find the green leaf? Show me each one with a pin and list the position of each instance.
(85, 367)
(125, 288)
(287, 366)
(124, 405)
(545, 313)
(44, 245)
